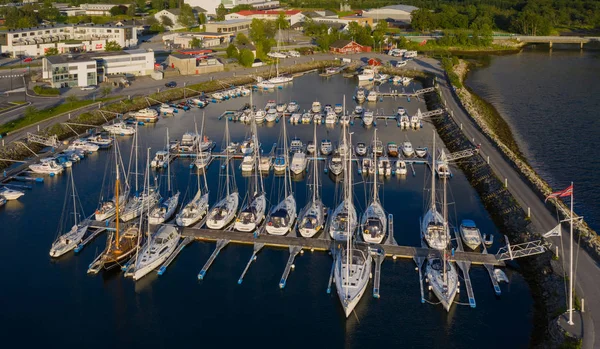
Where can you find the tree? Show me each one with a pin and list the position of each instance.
(422, 19)
(151, 21)
(158, 4)
(186, 17)
(106, 90)
(141, 4)
(202, 18)
(166, 21)
(30, 112)
(131, 10)
(246, 58)
(118, 10)
(242, 39)
(72, 99)
(281, 22)
(195, 43)
(172, 3)
(51, 51)
(221, 12)
(157, 28)
(232, 51)
(112, 46)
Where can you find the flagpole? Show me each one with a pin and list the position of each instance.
(571, 265)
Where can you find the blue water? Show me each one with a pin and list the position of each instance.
(550, 99)
(54, 303)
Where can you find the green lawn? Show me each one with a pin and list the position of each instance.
(32, 116)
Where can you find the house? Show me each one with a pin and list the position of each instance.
(173, 15)
(187, 64)
(348, 46)
(229, 26)
(183, 40)
(395, 12)
(292, 16)
(246, 46)
(374, 62)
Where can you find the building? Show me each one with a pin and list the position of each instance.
(187, 64)
(344, 20)
(86, 69)
(362, 20)
(293, 16)
(229, 26)
(173, 15)
(395, 12)
(86, 9)
(347, 46)
(209, 5)
(183, 40)
(66, 38)
(257, 4)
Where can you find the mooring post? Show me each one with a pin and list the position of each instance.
(38, 128)
(505, 182)
(582, 305)
(69, 116)
(488, 159)
(461, 126)
(556, 251)
(581, 48)
(528, 212)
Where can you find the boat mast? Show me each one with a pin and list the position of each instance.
(227, 156)
(117, 198)
(148, 194)
(315, 174)
(285, 158)
(349, 236)
(375, 191)
(200, 151)
(432, 153)
(198, 145)
(74, 202)
(444, 232)
(168, 165)
(135, 141)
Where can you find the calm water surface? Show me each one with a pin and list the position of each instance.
(550, 99)
(54, 303)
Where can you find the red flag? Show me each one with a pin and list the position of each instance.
(566, 192)
(422, 43)
(27, 60)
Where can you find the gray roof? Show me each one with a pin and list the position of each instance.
(245, 46)
(405, 8)
(91, 56)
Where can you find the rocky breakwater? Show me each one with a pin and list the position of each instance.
(545, 281)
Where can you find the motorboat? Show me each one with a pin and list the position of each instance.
(407, 149)
(377, 147)
(415, 121)
(247, 146)
(119, 128)
(317, 118)
(311, 147)
(47, 166)
(292, 107)
(381, 78)
(279, 165)
(271, 104)
(401, 169)
(401, 111)
(421, 151)
(271, 115)
(336, 165)
(100, 141)
(331, 119)
(366, 166)
(311, 219)
(10, 194)
(296, 145)
(189, 142)
(338, 109)
(361, 95)
(298, 164)
(161, 159)
(352, 272)
(392, 149)
(145, 115)
(404, 121)
(166, 109)
(156, 251)
(470, 234)
(384, 167)
(69, 240)
(372, 96)
(244, 91)
(500, 276)
(206, 144)
(368, 74)
(84, 145)
(326, 147)
(328, 109)
(306, 118)
(358, 110)
(316, 107)
(265, 164)
(260, 116)
(281, 107)
(368, 118)
(443, 280)
(361, 149)
(219, 96)
(295, 118)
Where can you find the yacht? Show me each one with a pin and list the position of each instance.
(328, 109)
(404, 121)
(306, 118)
(165, 210)
(119, 128)
(145, 115)
(368, 74)
(194, 210)
(271, 115)
(10, 194)
(407, 149)
(384, 167)
(336, 164)
(295, 118)
(358, 110)
(100, 141)
(470, 234)
(316, 107)
(345, 120)
(368, 118)
(161, 159)
(260, 116)
(311, 147)
(156, 251)
(296, 145)
(392, 149)
(84, 145)
(361, 149)
(298, 164)
(47, 166)
(401, 169)
(442, 280)
(372, 96)
(223, 212)
(344, 219)
(265, 85)
(401, 111)
(326, 147)
(219, 96)
(203, 159)
(338, 109)
(312, 217)
(367, 166)
(248, 163)
(421, 151)
(280, 164)
(292, 107)
(271, 104)
(281, 107)
(166, 109)
(360, 95)
(374, 220)
(265, 163)
(317, 118)
(189, 141)
(331, 119)
(352, 272)
(415, 121)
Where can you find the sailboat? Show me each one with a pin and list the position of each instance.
(312, 218)
(253, 212)
(203, 155)
(441, 273)
(223, 212)
(352, 269)
(139, 202)
(344, 217)
(374, 220)
(120, 246)
(107, 208)
(433, 228)
(279, 79)
(166, 209)
(198, 206)
(156, 250)
(68, 241)
(282, 216)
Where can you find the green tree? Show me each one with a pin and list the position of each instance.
(106, 90)
(242, 39)
(281, 22)
(118, 10)
(186, 17)
(131, 10)
(158, 4)
(232, 51)
(157, 28)
(30, 112)
(166, 21)
(112, 46)
(141, 4)
(246, 58)
(71, 99)
(172, 3)
(151, 20)
(51, 51)
(202, 18)
(221, 12)
(195, 43)
(422, 19)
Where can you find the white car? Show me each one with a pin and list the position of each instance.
(88, 88)
(294, 54)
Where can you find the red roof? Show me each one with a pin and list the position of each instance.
(267, 12)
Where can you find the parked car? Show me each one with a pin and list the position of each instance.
(89, 88)
(294, 54)
(171, 84)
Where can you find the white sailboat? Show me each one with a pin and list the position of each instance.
(374, 219)
(312, 218)
(352, 270)
(441, 273)
(279, 79)
(344, 218)
(253, 212)
(156, 250)
(223, 212)
(433, 228)
(108, 208)
(197, 208)
(167, 208)
(68, 241)
(282, 216)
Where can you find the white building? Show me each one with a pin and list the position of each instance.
(209, 5)
(173, 15)
(66, 38)
(293, 16)
(86, 9)
(395, 12)
(92, 68)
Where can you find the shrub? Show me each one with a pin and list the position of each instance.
(46, 91)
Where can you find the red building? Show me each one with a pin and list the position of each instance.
(347, 46)
(374, 62)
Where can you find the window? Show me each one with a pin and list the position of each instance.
(47, 32)
(91, 66)
(73, 67)
(31, 34)
(116, 30)
(108, 30)
(16, 35)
